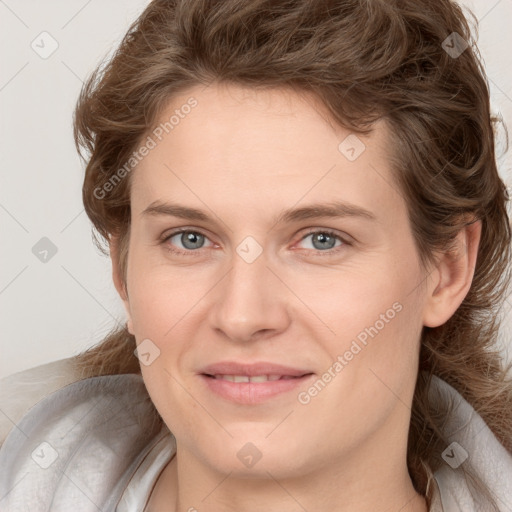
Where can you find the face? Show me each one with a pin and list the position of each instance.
(326, 298)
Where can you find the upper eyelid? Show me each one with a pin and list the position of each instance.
(178, 231)
(346, 239)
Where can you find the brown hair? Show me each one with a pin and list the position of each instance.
(365, 60)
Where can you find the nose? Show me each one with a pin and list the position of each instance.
(250, 302)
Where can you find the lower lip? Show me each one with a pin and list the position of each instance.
(253, 392)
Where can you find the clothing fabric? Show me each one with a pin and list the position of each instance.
(78, 448)
(93, 445)
(20, 390)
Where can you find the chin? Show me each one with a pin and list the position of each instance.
(254, 457)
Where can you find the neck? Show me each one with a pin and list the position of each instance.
(186, 485)
(355, 475)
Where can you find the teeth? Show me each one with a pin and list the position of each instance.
(255, 378)
(258, 378)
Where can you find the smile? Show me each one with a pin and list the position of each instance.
(254, 389)
(255, 378)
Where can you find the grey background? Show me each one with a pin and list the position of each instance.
(54, 309)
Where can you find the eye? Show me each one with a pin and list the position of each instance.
(191, 241)
(324, 241)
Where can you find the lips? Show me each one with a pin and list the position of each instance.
(253, 370)
(252, 378)
(251, 384)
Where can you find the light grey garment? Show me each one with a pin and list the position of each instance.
(104, 452)
(78, 448)
(471, 447)
(19, 391)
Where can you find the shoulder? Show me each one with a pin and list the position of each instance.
(472, 454)
(21, 390)
(93, 431)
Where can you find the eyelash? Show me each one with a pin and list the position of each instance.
(189, 252)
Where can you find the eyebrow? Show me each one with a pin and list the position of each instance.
(332, 209)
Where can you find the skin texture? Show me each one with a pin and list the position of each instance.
(243, 156)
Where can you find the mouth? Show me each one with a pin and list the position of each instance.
(252, 384)
(254, 378)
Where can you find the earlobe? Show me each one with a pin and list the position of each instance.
(452, 276)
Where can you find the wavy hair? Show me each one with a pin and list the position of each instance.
(365, 60)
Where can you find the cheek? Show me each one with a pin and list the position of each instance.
(161, 295)
(350, 299)
(375, 321)
(370, 304)
(343, 300)
(347, 298)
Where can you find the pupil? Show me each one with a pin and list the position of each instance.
(191, 240)
(323, 238)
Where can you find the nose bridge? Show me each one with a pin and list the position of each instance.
(249, 301)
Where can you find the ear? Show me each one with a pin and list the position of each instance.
(119, 281)
(452, 276)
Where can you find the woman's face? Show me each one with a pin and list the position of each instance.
(298, 257)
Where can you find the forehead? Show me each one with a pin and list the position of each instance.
(226, 113)
(260, 148)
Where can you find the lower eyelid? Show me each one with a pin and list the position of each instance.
(331, 234)
(166, 240)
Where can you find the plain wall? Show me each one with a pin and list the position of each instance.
(54, 309)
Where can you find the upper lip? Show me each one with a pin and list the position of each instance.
(252, 369)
